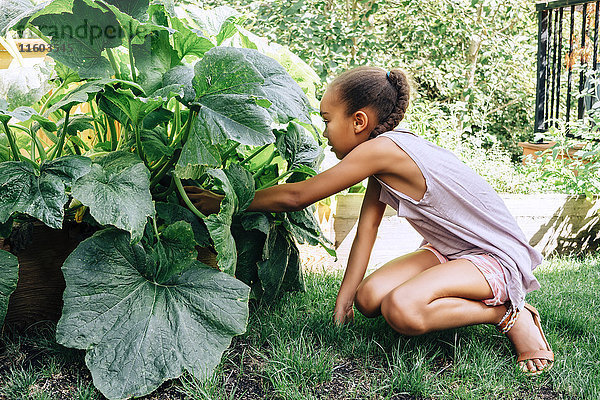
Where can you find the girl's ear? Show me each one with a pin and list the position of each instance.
(360, 121)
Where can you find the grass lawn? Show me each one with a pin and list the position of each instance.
(291, 350)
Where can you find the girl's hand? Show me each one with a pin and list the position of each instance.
(204, 200)
(343, 313)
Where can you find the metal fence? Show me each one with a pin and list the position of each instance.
(567, 87)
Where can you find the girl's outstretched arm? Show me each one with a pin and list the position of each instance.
(368, 158)
(371, 213)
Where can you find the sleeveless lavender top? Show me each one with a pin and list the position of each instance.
(461, 213)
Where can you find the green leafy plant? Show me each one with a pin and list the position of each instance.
(143, 102)
(571, 165)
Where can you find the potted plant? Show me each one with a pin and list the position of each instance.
(171, 102)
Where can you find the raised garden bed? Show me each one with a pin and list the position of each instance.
(553, 224)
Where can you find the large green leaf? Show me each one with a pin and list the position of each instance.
(133, 28)
(20, 113)
(298, 147)
(9, 273)
(171, 213)
(198, 150)
(255, 221)
(138, 9)
(293, 280)
(154, 143)
(174, 252)
(275, 259)
(117, 192)
(135, 107)
(81, 94)
(41, 194)
(288, 100)
(138, 333)
(80, 36)
(243, 185)
(189, 41)
(212, 22)
(182, 75)
(228, 88)
(153, 59)
(77, 123)
(304, 227)
(237, 117)
(249, 245)
(219, 225)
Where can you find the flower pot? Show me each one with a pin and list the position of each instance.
(41, 252)
(38, 295)
(530, 148)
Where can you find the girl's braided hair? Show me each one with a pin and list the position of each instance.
(388, 94)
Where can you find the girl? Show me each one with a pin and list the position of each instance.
(474, 265)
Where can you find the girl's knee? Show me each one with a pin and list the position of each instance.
(403, 314)
(367, 299)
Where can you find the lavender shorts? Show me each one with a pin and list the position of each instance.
(489, 267)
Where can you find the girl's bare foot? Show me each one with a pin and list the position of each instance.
(526, 337)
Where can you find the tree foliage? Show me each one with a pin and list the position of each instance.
(475, 57)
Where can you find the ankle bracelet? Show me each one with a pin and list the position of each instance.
(509, 319)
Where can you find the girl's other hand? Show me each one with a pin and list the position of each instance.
(204, 200)
(343, 313)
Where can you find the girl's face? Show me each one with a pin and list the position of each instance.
(343, 132)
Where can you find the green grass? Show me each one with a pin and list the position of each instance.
(291, 350)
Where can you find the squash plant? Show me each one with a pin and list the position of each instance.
(171, 103)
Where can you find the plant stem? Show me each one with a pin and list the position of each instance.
(98, 133)
(38, 144)
(258, 173)
(35, 30)
(11, 141)
(176, 126)
(184, 133)
(274, 181)
(251, 156)
(163, 171)
(52, 96)
(186, 199)
(76, 148)
(188, 127)
(114, 141)
(228, 153)
(133, 76)
(124, 138)
(138, 145)
(163, 195)
(157, 164)
(32, 153)
(155, 229)
(113, 63)
(173, 160)
(57, 151)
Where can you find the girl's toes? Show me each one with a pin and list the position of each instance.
(530, 366)
(539, 364)
(523, 366)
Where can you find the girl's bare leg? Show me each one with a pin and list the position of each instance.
(446, 296)
(392, 274)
